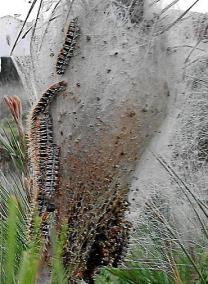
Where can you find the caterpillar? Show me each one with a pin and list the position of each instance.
(38, 148)
(47, 97)
(52, 167)
(46, 196)
(45, 138)
(44, 161)
(35, 124)
(45, 200)
(67, 50)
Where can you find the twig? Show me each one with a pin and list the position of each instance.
(36, 20)
(50, 19)
(178, 19)
(28, 14)
(193, 49)
(163, 221)
(177, 179)
(186, 45)
(168, 7)
(32, 26)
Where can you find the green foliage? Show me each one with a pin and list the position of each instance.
(204, 265)
(30, 260)
(13, 225)
(29, 266)
(59, 274)
(137, 272)
(141, 275)
(15, 147)
(22, 265)
(137, 275)
(20, 258)
(106, 277)
(11, 240)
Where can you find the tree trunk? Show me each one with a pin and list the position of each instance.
(122, 84)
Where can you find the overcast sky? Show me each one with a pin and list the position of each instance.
(11, 7)
(201, 6)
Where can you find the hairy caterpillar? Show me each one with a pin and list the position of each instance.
(45, 138)
(52, 167)
(44, 161)
(38, 157)
(50, 184)
(40, 134)
(47, 97)
(67, 50)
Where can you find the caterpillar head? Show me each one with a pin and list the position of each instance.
(63, 85)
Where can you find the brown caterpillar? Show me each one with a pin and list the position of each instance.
(45, 138)
(67, 50)
(47, 97)
(45, 200)
(52, 167)
(34, 125)
(46, 196)
(38, 157)
(46, 146)
(44, 159)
